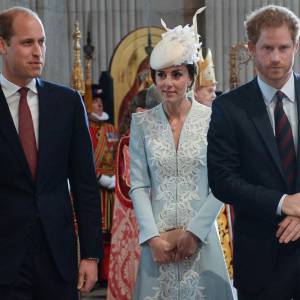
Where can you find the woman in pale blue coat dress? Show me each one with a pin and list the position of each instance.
(169, 185)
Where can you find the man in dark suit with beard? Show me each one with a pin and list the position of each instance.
(44, 142)
(253, 160)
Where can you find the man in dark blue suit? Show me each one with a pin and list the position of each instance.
(253, 160)
(44, 143)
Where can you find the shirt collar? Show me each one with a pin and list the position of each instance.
(10, 88)
(269, 92)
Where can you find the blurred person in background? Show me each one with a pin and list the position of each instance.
(205, 84)
(105, 139)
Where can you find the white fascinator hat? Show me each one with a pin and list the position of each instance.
(179, 45)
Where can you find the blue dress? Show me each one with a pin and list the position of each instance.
(169, 189)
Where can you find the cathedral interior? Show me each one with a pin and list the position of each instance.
(106, 44)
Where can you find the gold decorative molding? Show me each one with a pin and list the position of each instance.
(239, 55)
(225, 238)
(88, 56)
(77, 81)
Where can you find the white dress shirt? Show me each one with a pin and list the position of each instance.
(289, 107)
(12, 96)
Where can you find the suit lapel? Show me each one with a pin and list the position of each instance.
(297, 95)
(47, 118)
(259, 115)
(8, 130)
(43, 124)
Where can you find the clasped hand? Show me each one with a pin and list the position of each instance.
(289, 228)
(162, 252)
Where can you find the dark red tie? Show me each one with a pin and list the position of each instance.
(26, 132)
(285, 141)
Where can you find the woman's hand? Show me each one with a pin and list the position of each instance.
(187, 245)
(162, 252)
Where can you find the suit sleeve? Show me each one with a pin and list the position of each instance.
(224, 169)
(140, 183)
(84, 185)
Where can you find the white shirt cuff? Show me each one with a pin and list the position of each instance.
(279, 207)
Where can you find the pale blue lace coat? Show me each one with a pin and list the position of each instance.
(169, 189)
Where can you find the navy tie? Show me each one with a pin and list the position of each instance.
(26, 132)
(285, 141)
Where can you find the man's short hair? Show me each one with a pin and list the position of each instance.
(7, 17)
(271, 16)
